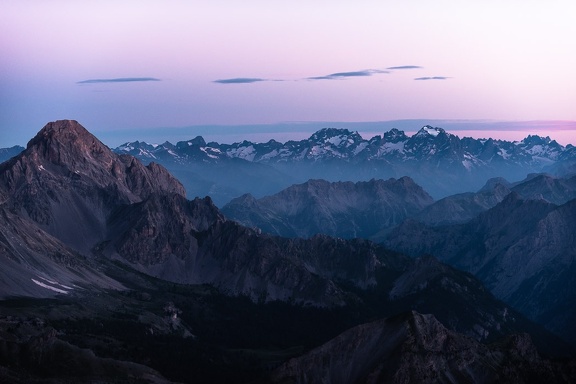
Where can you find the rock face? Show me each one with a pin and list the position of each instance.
(68, 182)
(36, 264)
(416, 348)
(462, 207)
(523, 250)
(342, 209)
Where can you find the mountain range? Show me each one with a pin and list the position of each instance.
(442, 163)
(522, 249)
(515, 237)
(106, 259)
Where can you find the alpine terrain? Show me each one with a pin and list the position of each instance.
(110, 274)
(442, 163)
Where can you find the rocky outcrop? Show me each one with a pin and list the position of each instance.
(416, 348)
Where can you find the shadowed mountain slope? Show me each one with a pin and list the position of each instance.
(463, 207)
(523, 250)
(342, 209)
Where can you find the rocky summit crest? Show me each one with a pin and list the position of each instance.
(65, 148)
(67, 142)
(66, 176)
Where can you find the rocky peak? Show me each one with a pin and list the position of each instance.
(7, 153)
(536, 140)
(428, 130)
(65, 148)
(66, 142)
(417, 348)
(66, 177)
(335, 136)
(197, 141)
(395, 136)
(495, 182)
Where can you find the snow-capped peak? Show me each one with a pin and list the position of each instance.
(429, 130)
(334, 136)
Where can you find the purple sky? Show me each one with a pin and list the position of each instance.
(138, 68)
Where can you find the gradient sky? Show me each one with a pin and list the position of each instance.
(133, 67)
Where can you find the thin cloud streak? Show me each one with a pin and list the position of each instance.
(405, 67)
(240, 80)
(433, 78)
(343, 75)
(118, 80)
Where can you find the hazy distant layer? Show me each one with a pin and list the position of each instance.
(564, 132)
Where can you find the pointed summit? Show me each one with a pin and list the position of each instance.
(395, 136)
(66, 148)
(66, 176)
(66, 142)
(428, 130)
(336, 137)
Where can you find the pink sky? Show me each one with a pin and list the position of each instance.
(486, 60)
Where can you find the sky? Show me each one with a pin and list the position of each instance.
(129, 70)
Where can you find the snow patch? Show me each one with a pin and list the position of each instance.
(41, 168)
(504, 154)
(430, 131)
(336, 140)
(270, 155)
(49, 287)
(208, 153)
(54, 282)
(246, 153)
(392, 147)
(360, 148)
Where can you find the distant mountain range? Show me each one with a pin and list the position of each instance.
(442, 163)
(105, 258)
(7, 153)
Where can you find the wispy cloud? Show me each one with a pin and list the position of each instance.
(405, 67)
(240, 80)
(343, 75)
(118, 80)
(433, 78)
